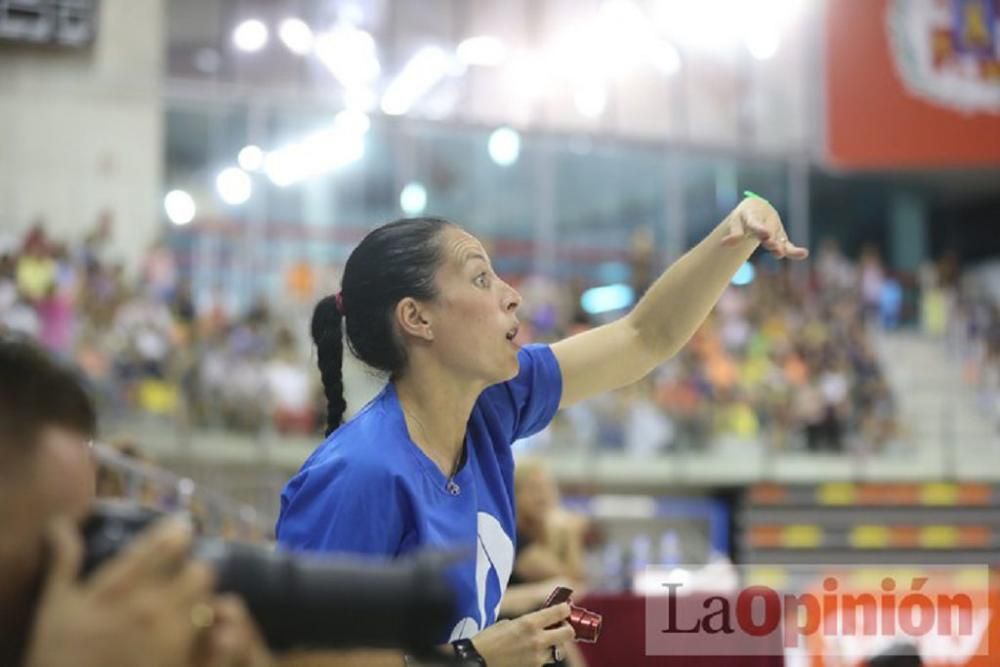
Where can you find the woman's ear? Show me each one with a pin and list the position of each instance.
(412, 319)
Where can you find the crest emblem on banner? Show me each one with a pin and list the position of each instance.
(948, 51)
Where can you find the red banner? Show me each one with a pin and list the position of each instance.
(913, 83)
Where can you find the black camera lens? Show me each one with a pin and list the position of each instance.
(303, 601)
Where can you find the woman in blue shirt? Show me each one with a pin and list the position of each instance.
(427, 463)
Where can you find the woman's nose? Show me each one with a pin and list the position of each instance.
(513, 300)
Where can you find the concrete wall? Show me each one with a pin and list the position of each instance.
(81, 131)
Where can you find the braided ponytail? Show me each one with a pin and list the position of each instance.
(392, 262)
(327, 334)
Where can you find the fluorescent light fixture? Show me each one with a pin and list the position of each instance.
(621, 35)
(317, 154)
(504, 146)
(608, 298)
(528, 75)
(591, 99)
(250, 36)
(360, 98)
(179, 206)
(250, 158)
(664, 56)
(350, 55)
(763, 43)
(296, 35)
(423, 71)
(484, 51)
(352, 121)
(413, 198)
(233, 185)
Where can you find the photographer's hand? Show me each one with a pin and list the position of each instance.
(137, 609)
(233, 640)
(524, 641)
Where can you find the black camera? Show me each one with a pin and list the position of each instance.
(305, 602)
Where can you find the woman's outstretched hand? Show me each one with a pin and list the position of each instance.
(755, 218)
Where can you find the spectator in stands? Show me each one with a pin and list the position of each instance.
(290, 388)
(36, 268)
(549, 546)
(549, 537)
(176, 357)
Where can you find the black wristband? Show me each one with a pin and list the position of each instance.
(466, 651)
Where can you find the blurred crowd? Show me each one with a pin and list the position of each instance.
(143, 343)
(973, 333)
(787, 359)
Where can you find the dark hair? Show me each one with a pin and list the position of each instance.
(392, 262)
(37, 391)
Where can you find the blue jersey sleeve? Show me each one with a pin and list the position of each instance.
(344, 507)
(527, 403)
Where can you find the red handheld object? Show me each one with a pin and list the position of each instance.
(586, 624)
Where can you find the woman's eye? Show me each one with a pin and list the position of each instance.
(482, 280)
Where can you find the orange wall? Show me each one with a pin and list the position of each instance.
(872, 121)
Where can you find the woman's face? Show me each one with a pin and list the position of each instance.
(536, 495)
(474, 317)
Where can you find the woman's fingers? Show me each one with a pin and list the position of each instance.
(759, 231)
(543, 618)
(796, 252)
(777, 244)
(554, 640)
(559, 636)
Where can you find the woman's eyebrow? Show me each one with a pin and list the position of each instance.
(473, 256)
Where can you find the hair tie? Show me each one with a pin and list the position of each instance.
(340, 302)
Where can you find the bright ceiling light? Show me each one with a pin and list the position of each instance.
(423, 71)
(413, 198)
(250, 158)
(704, 24)
(251, 35)
(296, 35)
(504, 146)
(664, 56)
(360, 98)
(763, 43)
(725, 24)
(352, 121)
(179, 206)
(576, 53)
(527, 75)
(233, 185)
(350, 54)
(591, 99)
(485, 51)
(622, 35)
(319, 153)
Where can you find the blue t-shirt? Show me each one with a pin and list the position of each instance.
(368, 489)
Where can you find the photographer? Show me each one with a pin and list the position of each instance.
(152, 605)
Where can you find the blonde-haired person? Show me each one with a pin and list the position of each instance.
(549, 549)
(550, 538)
